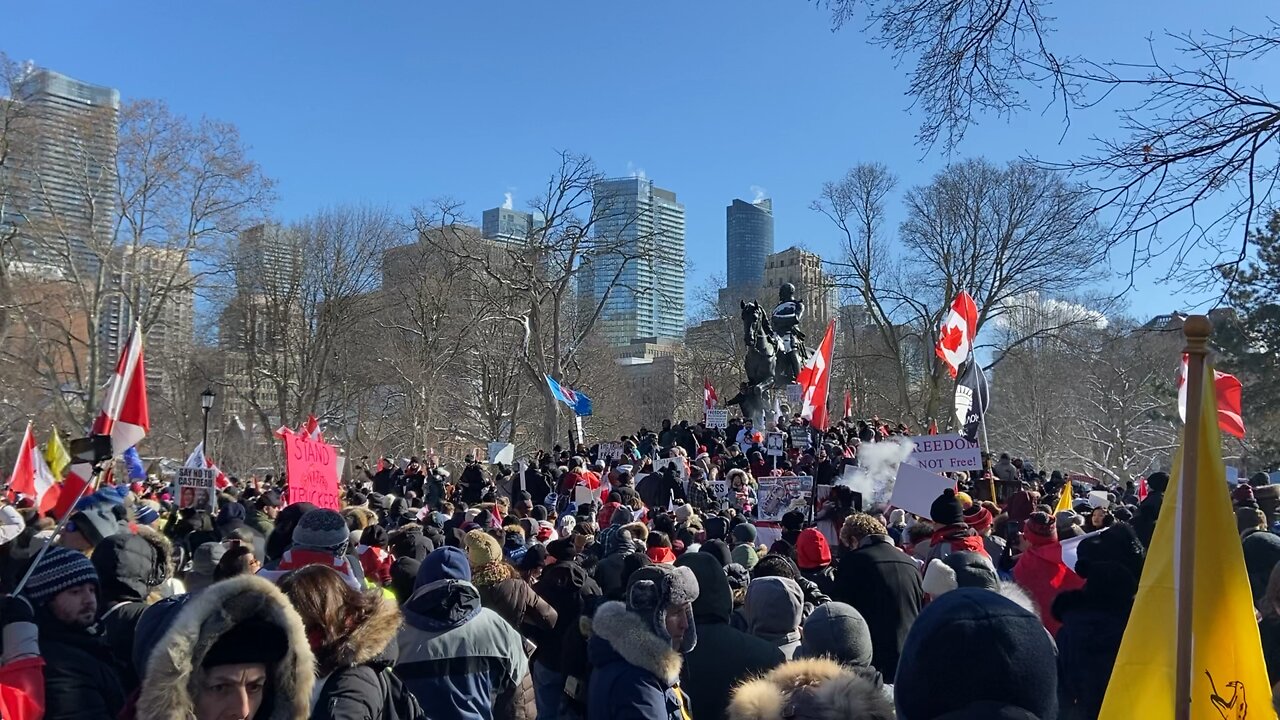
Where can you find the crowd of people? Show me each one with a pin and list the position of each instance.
(580, 585)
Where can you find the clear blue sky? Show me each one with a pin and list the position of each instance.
(398, 102)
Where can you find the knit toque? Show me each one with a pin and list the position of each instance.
(59, 569)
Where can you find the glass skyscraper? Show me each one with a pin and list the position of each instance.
(748, 241)
(639, 262)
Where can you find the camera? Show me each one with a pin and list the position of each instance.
(93, 449)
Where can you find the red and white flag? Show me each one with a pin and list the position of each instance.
(955, 337)
(848, 403)
(124, 417)
(32, 476)
(815, 378)
(312, 429)
(197, 459)
(708, 395)
(1230, 400)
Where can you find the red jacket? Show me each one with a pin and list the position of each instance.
(22, 689)
(376, 564)
(1041, 572)
(955, 538)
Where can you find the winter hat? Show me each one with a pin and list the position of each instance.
(946, 510)
(1158, 481)
(60, 568)
(965, 501)
(978, 517)
(989, 632)
(1065, 518)
(1259, 479)
(738, 576)
(684, 513)
(718, 550)
(539, 513)
(146, 515)
(653, 589)
(897, 516)
(717, 527)
(1242, 495)
(446, 563)
(482, 548)
(254, 640)
(534, 557)
(837, 631)
(957, 570)
(204, 561)
(231, 514)
(744, 533)
(1041, 529)
(374, 536)
(792, 520)
(96, 522)
(744, 555)
(812, 550)
(322, 529)
(403, 573)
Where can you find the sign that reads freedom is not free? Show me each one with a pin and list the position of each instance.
(944, 453)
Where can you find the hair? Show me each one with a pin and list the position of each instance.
(858, 526)
(235, 562)
(446, 507)
(658, 538)
(919, 533)
(1269, 603)
(330, 610)
(1249, 518)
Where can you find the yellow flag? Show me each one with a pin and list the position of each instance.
(1064, 500)
(56, 455)
(1229, 675)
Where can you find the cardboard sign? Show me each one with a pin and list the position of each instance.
(583, 495)
(677, 463)
(718, 418)
(504, 453)
(719, 488)
(196, 488)
(799, 436)
(916, 489)
(795, 393)
(773, 443)
(780, 495)
(610, 451)
(945, 453)
(312, 469)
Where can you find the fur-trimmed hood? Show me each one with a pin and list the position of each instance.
(811, 689)
(375, 638)
(1016, 593)
(173, 666)
(632, 640)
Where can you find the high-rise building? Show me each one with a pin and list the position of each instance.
(748, 242)
(639, 263)
(502, 223)
(266, 260)
(154, 286)
(815, 287)
(62, 172)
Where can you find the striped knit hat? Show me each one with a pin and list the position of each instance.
(58, 570)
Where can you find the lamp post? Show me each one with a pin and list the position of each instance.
(206, 404)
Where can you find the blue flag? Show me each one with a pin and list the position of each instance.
(580, 403)
(134, 464)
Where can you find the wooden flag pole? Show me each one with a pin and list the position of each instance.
(1196, 329)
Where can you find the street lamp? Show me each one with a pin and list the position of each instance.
(206, 404)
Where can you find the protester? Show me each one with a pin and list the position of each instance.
(638, 646)
(237, 650)
(129, 568)
(501, 588)
(773, 611)
(813, 557)
(1041, 569)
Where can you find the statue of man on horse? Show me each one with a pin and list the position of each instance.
(775, 347)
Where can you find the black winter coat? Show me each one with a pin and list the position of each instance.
(568, 589)
(1088, 642)
(1269, 629)
(882, 583)
(354, 691)
(80, 681)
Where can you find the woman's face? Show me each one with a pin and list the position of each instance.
(231, 692)
(1099, 517)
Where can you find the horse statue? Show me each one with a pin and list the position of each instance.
(762, 346)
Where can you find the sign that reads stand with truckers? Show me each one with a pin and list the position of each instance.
(944, 453)
(312, 470)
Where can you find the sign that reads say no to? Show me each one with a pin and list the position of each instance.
(312, 468)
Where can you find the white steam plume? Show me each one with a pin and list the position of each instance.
(507, 201)
(877, 470)
(760, 192)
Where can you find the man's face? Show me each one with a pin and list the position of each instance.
(76, 606)
(75, 540)
(677, 624)
(231, 692)
(270, 511)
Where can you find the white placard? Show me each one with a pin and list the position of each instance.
(944, 453)
(609, 451)
(773, 443)
(718, 418)
(915, 489)
(504, 453)
(676, 462)
(196, 488)
(795, 393)
(583, 495)
(719, 488)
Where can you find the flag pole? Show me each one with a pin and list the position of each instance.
(1196, 329)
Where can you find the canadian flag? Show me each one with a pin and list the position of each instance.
(1230, 401)
(848, 403)
(955, 337)
(32, 476)
(312, 429)
(815, 378)
(124, 417)
(708, 395)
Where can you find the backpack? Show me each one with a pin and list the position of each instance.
(397, 702)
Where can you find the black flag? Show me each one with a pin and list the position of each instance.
(972, 399)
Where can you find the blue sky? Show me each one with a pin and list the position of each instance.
(396, 102)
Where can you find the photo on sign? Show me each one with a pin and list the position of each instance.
(773, 443)
(780, 495)
(195, 488)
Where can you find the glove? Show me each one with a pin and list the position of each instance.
(15, 609)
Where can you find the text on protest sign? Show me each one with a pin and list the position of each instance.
(944, 453)
(799, 436)
(795, 393)
(780, 495)
(718, 418)
(676, 463)
(773, 443)
(196, 488)
(312, 469)
(610, 451)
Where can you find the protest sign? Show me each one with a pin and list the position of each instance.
(945, 453)
(795, 393)
(773, 443)
(312, 469)
(196, 488)
(677, 463)
(1233, 475)
(504, 453)
(916, 489)
(779, 495)
(719, 488)
(583, 495)
(799, 436)
(718, 418)
(610, 451)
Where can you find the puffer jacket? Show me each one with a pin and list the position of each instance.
(354, 691)
(129, 568)
(635, 675)
(567, 588)
(519, 605)
(80, 681)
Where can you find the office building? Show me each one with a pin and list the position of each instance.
(507, 225)
(816, 288)
(748, 243)
(152, 286)
(61, 175)
(267, 260)
(639, 261)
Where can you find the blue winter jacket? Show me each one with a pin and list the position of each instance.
(635, 675)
